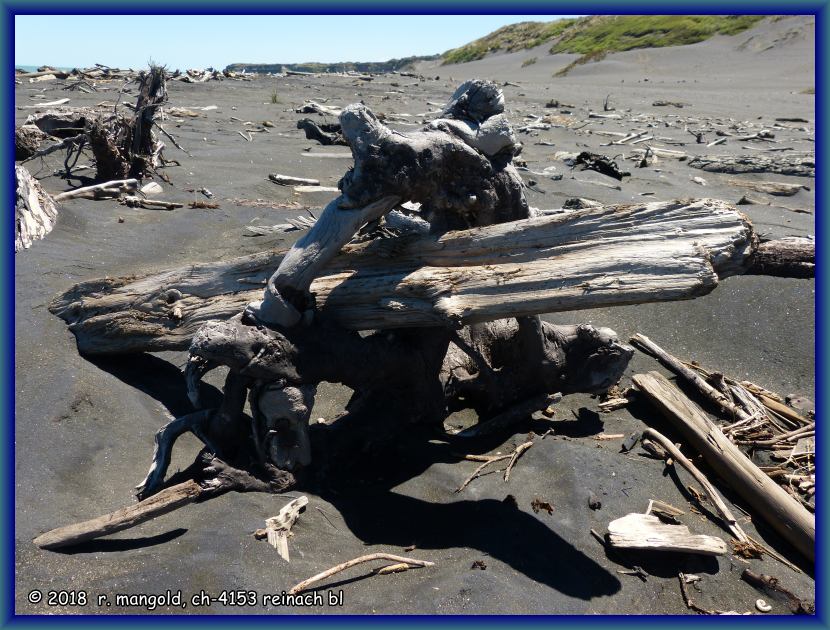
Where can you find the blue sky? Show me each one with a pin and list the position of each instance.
(217, 40)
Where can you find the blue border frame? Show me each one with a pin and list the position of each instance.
(219, 7)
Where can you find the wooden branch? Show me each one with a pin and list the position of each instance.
(729, 409)
(165, 501)
(107, 189)
(675, 455)
(305, 584)
(645, 531)
(590, 258)
(772, 503)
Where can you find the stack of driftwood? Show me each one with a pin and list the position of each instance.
(421, 323)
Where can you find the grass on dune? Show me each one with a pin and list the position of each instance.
(603, 34)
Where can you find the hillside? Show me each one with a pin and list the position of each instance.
(603, 34)
(344, 66)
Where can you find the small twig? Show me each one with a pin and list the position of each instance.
(477, 471)
(410, 562)
(521, 448)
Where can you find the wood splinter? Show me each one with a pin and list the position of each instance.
(394, 568)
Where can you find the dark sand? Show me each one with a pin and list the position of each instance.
(84, 428)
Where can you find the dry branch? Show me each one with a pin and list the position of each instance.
(35, 211)
(411, 562)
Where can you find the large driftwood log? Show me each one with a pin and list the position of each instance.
(35, 212)
(802, 164)
(791, 257)
(770, 501)
(593, 257)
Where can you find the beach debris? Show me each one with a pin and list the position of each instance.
(539, 505)
(326, 133)
(800, 164)
(105, 190)
(59, 102)
(278, 528)
(27, 141)
(491, 459)
(311, 107)
(212, 477)
(479, 564)
(636, 572)
(676, 104)
(35, 212)
(762, 605)
(400, 562)
(202, 205)
(699, 180)
(782, 511)
(151, 189)
(290, 180)
(134, 201)
(645, 531)
(593, 502)
(609, 436)
(599, 163)
(313, 189)
(665, 512)
(781, 189)
(772, 585)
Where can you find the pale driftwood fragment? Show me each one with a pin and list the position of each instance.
(165, 501)
(411, 562)
(35, 211)
(313, 188)
(290, 180)
(781, 189)
(644, 531)
(99, 191)
(59, 102)
(150, 204)
(771, 502)
(279, 527)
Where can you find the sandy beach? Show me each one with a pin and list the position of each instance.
(85, 426)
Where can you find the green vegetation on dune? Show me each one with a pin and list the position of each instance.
(604, 34)
(508, 38)
(625, 32)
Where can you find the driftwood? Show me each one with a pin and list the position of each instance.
(780, 189)
(553, 263)
(290, 180)
(791, 257)
(27, 141)
(671, 452)
(165, 501)
(100, 191)
(279, 527)
(409, 562)
(772, 503)
(803, 164)
(326, 134)
(644, 531)
(35, 212)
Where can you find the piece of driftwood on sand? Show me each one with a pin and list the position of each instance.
(35, 212)
(770, 501)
